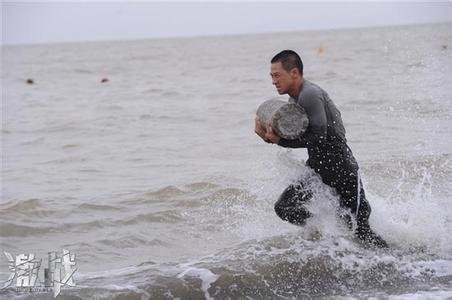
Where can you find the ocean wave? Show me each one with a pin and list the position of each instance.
(16, 229)
(91, 206)
(200, 186)
(164, 217)
(164, 194)
(291, 267)
(21, 205)
(281, 267)
(132, 241)
(8, 229)
(30, 208)
(193, 195)
(228, 196)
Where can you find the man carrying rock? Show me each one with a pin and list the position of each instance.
(324, 139)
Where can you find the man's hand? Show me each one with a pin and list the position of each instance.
(269, 136)
(258, 129)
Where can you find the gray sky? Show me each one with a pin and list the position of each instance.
(25, 22)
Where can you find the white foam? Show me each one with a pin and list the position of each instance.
(413, 215)
(205, 275)
(422, 295)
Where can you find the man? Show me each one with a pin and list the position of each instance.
(329, 155)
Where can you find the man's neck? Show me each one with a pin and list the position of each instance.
(297, 88)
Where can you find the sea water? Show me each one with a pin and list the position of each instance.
(157, 183)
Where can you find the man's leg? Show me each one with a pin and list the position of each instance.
(363, 230)
(290, 205)
(353, 197)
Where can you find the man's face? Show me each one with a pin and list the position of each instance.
(282, 79)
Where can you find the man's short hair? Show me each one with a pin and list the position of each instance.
(289, 60)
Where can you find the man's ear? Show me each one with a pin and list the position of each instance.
(294, 73)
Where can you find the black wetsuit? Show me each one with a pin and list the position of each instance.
(331, 158)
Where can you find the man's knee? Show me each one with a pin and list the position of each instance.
(295, 215)
(286, 203)
(290, 205)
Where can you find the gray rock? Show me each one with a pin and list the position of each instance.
(288, 120)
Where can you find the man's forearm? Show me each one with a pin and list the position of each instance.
(297, 143)
(308, 139)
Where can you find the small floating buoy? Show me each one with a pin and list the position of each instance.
(30, 81)
(320, 50)
(105, 79)
(444, 47)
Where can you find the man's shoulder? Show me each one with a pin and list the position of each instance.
(311, 91)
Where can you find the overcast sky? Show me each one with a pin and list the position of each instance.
(25, 22)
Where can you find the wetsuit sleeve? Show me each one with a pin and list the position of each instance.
(317, 129)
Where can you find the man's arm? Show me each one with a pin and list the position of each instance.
(317, 129)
